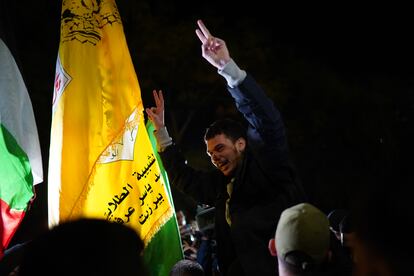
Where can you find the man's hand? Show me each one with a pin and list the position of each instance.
(214, 49)
(156, 114)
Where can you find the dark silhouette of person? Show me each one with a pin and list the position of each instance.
(187, 268)
(85, 247)
(382, 223)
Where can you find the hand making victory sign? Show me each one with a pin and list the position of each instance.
(156, 114)
(214, 49)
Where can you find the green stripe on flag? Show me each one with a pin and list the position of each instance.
(15, 172)
(165, 248)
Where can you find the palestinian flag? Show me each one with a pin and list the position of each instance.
(20, 157)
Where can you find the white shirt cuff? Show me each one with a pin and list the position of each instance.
(232, 73)
(163, 139)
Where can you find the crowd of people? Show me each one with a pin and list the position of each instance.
(264, 223)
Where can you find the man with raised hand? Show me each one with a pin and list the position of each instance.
(254, 182)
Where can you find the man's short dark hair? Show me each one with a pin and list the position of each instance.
(187, 268)
(229, 127)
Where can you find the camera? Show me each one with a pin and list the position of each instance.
(205, 218)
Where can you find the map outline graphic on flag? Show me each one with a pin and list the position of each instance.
(122, 148)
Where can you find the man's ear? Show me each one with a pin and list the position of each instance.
(240, 144)
(272, 247)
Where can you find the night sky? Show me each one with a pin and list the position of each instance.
(341, 76)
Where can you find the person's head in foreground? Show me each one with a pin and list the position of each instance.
(383, 225)
(187, 268)
(85, 247)
(301, 242)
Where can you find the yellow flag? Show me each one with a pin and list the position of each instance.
(101, 162)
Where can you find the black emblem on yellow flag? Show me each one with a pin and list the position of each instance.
(83, 20)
